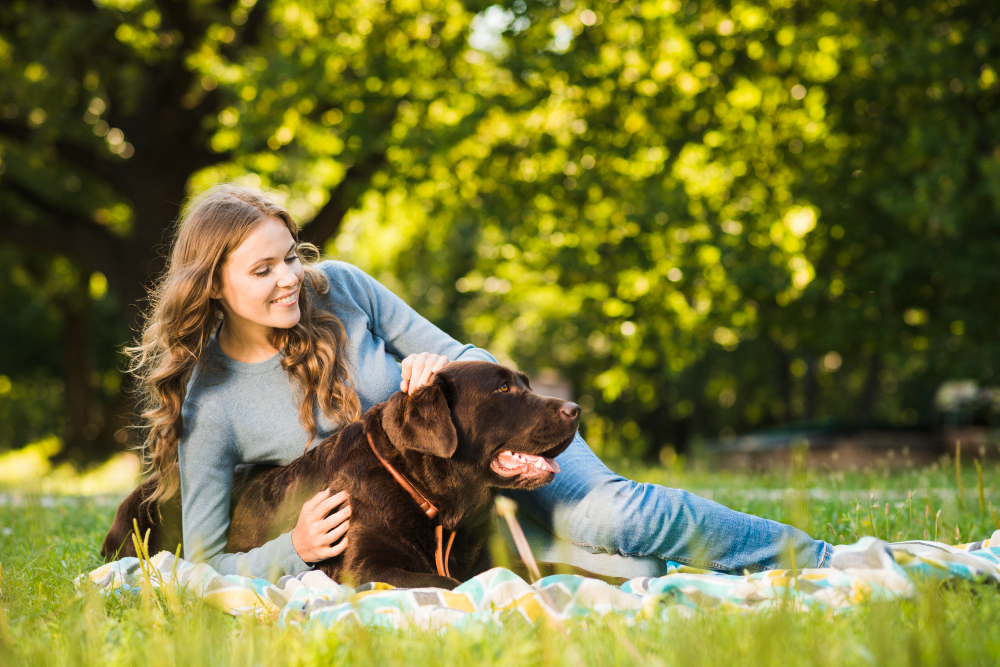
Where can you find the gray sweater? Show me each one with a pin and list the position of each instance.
(237, 412)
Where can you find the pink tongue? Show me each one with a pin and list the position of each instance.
(548, 464)
(515, 464)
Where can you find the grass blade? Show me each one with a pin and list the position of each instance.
(507, 508)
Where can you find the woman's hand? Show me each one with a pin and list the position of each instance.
(317, 536)
(418, 370)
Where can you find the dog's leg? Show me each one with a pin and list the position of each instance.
(372, 558)
(401, 578)
(118, 542)
(483, 563)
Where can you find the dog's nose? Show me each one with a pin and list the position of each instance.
(571, 410)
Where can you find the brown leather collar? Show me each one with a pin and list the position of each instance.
(442, 552)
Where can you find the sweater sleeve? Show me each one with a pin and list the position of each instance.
(207, 460)
(403, 329)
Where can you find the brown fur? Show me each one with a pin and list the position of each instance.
(442, 438)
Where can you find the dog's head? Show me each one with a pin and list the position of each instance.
(485, 418)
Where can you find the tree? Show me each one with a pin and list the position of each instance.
(717, 216)
(710, 216)
(113, 113)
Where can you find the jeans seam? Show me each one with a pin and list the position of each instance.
(827, 555)
(702, 564)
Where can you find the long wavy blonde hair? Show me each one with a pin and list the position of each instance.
(182, 317)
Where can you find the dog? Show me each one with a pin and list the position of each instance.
(475, 429)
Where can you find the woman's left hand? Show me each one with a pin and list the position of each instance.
(418, 369)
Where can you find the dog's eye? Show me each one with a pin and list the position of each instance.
(504, 387)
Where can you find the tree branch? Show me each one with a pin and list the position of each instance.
(326, 223)
(51, 209)
(81, 6)
(212, 102)
(75, 236)
(15, 130)
(161, 110)
(176, 15)
(78, 155)
(250, 33)
(166, 82)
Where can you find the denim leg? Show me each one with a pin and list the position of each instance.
(600, 512)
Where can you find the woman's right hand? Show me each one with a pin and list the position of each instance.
(317, 536)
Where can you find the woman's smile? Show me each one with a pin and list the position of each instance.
(259, 290)
(287, 300)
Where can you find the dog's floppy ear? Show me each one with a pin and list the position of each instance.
(421, 421)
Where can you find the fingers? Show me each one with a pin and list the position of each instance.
(406, 371)
(417, 365)
(432, 367)
(440, 363)
(418, 369)
(325, 506)
(424, 378)
(335, 542)
(413, 368)
(338, 532)
(315, 536)
(310, 505)
(335, 519)
(337, 548)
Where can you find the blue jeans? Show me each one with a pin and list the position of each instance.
(596, 520)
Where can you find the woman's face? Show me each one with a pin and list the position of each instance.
(261, 280)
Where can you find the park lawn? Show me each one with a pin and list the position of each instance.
(45, 541)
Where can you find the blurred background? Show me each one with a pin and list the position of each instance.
(731, 227)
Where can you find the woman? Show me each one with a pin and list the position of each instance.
(251, 354)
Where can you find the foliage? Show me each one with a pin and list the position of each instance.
(113, 112)
(710, 216)
(715, 217)
(54, 322)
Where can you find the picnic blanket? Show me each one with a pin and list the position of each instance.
(869, 569)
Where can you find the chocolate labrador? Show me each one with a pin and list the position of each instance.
(478, 427)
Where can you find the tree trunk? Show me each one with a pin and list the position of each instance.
(866, 405)
(812, 388)
(784, 383)
(79, 432)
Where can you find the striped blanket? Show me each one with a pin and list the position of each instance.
(869, 569)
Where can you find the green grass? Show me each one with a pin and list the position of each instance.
(44, 545)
